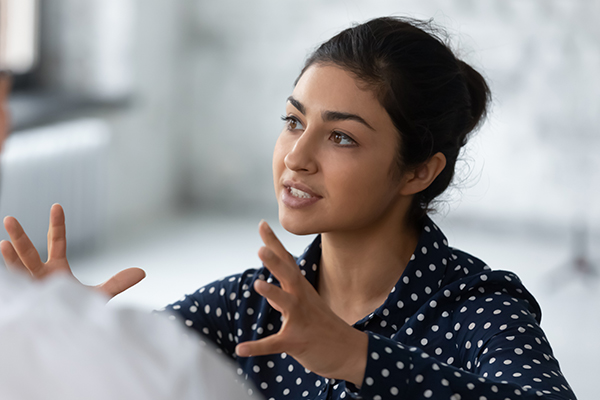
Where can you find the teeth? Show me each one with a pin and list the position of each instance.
(299, 193)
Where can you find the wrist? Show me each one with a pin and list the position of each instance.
(356, 358)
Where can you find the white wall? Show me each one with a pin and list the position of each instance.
(541, 59)
(209, 81)
(145, 159)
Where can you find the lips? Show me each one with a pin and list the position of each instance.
(299, 189)
(297, 195)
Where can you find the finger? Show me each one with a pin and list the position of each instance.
(57, 240)
(11, 258)
(121, 281)
(277, 297)
(269, 345)
(281, 269)
(23, 246)
(272, 242)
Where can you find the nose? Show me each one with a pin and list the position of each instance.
(302, 156)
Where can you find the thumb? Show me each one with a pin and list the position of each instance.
(270, 345)
(121, 281)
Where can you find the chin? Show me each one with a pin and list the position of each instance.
(297, 224)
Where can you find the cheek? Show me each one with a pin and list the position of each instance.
(359, 172)
(360, 183)
(279, 154)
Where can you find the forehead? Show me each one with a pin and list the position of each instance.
(331, 88)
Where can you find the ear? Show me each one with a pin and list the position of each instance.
(421, 177)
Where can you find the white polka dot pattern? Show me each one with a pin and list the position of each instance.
(451, 328)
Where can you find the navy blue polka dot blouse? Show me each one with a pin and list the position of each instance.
(450, 329)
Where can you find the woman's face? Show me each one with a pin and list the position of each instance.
(333, 162)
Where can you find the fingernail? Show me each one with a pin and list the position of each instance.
(267, 227)
(239, 350)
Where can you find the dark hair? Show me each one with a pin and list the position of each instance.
(434, 99)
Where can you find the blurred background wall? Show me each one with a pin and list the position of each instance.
(182, 99)
(192, 91)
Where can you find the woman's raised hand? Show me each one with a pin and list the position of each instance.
(21, 254)
(311, 332)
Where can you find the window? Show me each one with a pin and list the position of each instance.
(68, 58)
(19, 33)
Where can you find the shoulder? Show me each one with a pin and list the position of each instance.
(469, 279)
(441, 276)
(490, 293)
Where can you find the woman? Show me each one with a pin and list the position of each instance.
(378, 306)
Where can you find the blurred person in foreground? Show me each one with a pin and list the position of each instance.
(379, 306)
(58, 340)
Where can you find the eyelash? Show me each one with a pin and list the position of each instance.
(289, 119)
(353, 142)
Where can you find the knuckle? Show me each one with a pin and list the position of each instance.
(19, 235)
(295, 278)
(29, 252)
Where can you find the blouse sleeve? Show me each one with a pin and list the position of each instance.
(213, 309)
(505, 356)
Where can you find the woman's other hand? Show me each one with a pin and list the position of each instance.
(311, 332)
(20, 253)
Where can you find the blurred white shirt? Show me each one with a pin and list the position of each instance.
(58, 340)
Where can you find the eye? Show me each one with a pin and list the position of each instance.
(342, 139)
(292, 123)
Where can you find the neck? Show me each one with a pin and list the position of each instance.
(359, 268)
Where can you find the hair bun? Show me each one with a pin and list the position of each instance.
(479, 93)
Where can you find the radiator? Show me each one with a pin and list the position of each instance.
(65, 163)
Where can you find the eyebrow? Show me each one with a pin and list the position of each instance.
(331, 115)
(297, 104)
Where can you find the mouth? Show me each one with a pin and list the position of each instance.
(299, 190)
(297, 195)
